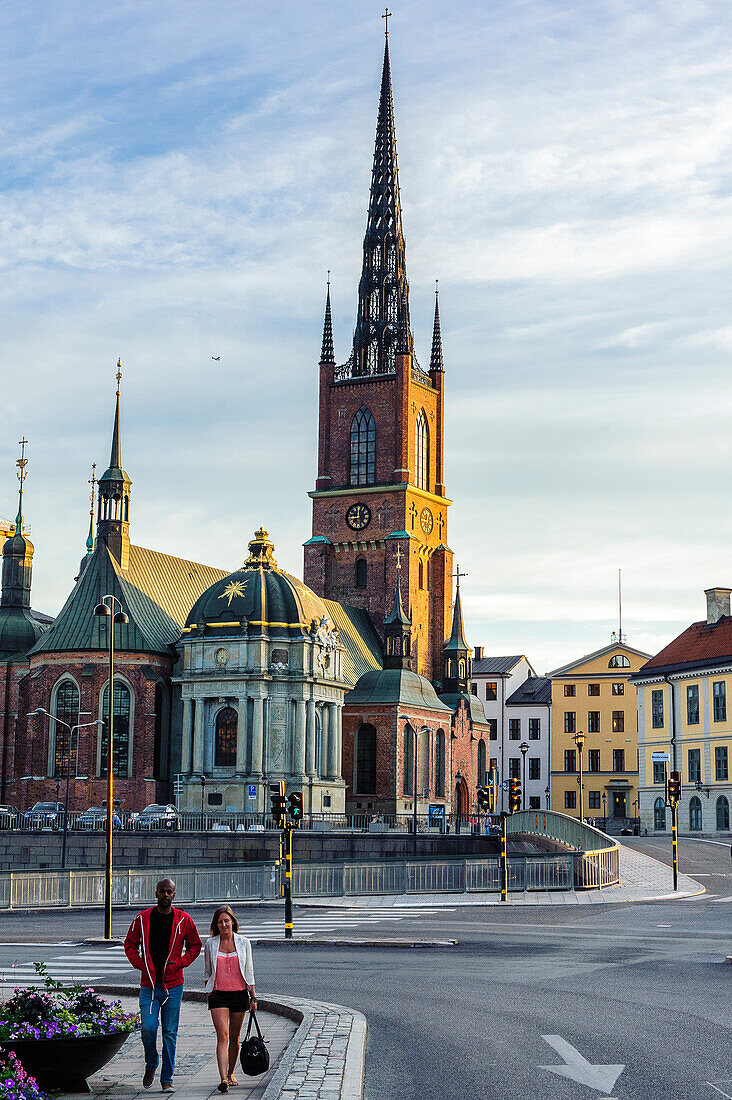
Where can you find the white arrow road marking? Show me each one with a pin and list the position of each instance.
(577, 1068)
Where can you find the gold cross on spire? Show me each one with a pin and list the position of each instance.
(398, 556)
(387, 16)
(93, 482)
(457, 575)
(119, 374)
(22, 462)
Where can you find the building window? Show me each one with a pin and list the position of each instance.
(408, 757)
(534, 729)
(721, 769)
(593, 800)
(361, 573)
(659, 771)
(491, 690)
(121, 745)
(514, 768)
(593, 721)
(593, 689)
(474, 690)
(66, 709)
(481, 763)
(421, 452)
(722, 814)
(569, 689)
(440, 765)
(421, 580)
(695, 815)
(694, 758)
(570, 800)
(570, 760)
(657, 709)
(493, 729)
(534, 767)
(534, 802)
(618, 760)
(659, 815)
(225, 738)
(569, 721)
(719, 693)
(692, 704)
(158, 742)
(363, 448)
(366, 759)
(618, 661)
(618, 721)
(593, 760)
(619, 689)
(514, 729)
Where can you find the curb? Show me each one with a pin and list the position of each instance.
(408, 944)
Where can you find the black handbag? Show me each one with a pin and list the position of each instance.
(254, 1057)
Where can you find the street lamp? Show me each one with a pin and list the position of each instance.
(71, 729)
(548, 796)
(423, 729)
(579, 740)
(604, 812)
(458, 778)
(105, 610)
(524, 749)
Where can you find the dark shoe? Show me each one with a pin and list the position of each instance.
(167, 1086)
(223, 1087)
(148, 1078)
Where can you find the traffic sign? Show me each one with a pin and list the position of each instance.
(660, 757)
(504, 785)
(252, 790)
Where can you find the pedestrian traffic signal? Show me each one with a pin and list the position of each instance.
(674, 788)
(294, 805)
(279, 803)
(514, 795)
(484, 799)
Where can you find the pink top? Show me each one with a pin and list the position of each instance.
(228, 972)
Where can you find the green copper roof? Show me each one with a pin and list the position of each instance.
(477, 714)
(397, 613)
(18, 631)
(395, 686)
(456, 642)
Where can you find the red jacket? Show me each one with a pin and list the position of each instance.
(184, 935)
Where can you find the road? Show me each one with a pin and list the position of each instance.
(640, 986)
(708, 861)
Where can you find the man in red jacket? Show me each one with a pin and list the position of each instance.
(160, 942)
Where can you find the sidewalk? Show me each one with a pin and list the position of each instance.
(642, 878)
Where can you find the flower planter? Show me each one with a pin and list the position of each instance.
(65, 1064)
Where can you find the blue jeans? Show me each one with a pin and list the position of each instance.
(162, 1004)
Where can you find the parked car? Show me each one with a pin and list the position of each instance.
(8, 817)
(95, 818)
(157, 817)
(45, 815)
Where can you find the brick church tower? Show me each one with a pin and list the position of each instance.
(380, 486)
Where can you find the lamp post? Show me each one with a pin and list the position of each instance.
(524, 749)
(106, 610)
(579, 740)
(72, 730)
(604, 812)
(548, 796)
(423, 729)
(459, 778)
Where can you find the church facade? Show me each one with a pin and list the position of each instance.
(354, 686)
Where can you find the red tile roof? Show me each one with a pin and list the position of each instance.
(700, 644)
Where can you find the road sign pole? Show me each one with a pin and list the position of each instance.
(288, 881)
(504, 860)
(674, 841)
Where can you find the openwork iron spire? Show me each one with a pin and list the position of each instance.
(382, 325)
(327, 354)
(436, 363)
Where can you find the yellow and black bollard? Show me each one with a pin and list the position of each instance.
(288, 881)
(504, 859)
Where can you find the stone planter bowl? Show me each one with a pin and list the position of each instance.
(65, 1063)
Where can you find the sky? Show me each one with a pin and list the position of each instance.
(175, 181)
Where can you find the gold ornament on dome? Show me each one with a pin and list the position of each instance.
(261, 552)
(234, 588)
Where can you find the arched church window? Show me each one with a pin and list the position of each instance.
(225, 738)
(158, 742)
(363, 448)
(421, 452)
(121, 744)
(366, 759)
(408, 758)
(440, 764)
(421, 574)
(481, 763)
(66, 709)
(361, 573)
(461, 669)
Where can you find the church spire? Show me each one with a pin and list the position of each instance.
(113, 526)
(398, 627)
(327, 354)
(456, 663)
(382, 326)
(18, 629)
(436, 363)
(92, 498)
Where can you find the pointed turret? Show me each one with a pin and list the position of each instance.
(398, 628)
(113, 526)
(456, 662)
(18, 629)
(382, 325)
(327, 354)
(436, 363)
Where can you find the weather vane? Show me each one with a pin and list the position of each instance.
(387, 16)
(21, 463)
(119, 374)
(93, 483)
(457, 575)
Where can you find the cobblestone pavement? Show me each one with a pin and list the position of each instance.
(327, 1063)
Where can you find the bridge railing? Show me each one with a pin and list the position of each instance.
(596, 856)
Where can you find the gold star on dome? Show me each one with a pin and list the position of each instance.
(235, 588)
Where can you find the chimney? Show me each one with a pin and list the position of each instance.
(478, 651)
(717, 603)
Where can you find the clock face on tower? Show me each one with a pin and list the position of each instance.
(358, 517)
(426, 521)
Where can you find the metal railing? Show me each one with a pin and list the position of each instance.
(596, 856)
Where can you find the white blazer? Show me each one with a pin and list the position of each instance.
(211, 950)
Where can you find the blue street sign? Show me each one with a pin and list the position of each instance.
(252, 790)
(504, 785)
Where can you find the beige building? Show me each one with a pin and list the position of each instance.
(592, 696)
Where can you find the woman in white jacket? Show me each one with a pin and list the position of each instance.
(228, 975)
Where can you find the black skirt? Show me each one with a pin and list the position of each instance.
(236, 1000)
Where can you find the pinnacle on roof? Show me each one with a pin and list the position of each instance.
(456, 642)
(261, 552)
(436, 363)
(327, 354)
(397, 613)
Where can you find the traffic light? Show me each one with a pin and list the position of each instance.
(279, 803)
(484, 799)
(294, 805)
(514, 795)
(674, 788)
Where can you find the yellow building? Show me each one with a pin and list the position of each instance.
(594, 705)
(683, 711)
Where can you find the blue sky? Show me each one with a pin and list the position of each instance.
(177, 179)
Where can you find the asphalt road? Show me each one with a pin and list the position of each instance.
(640, 986)
(708, 861)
